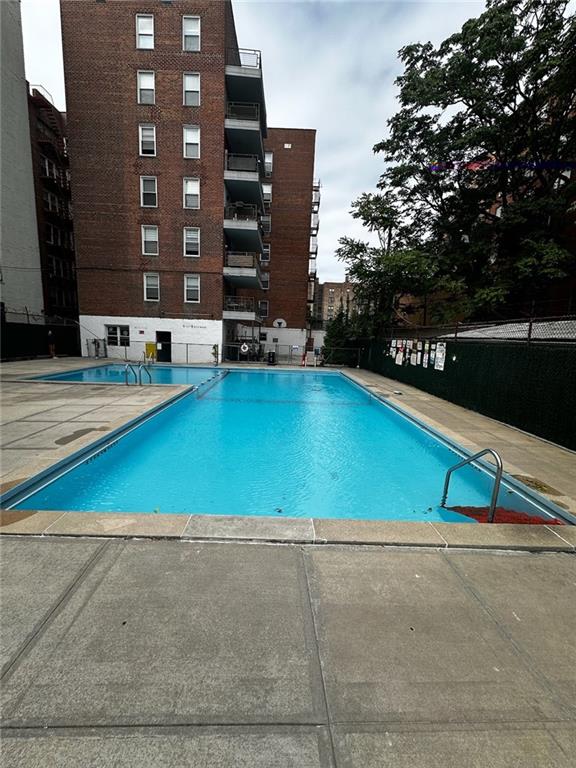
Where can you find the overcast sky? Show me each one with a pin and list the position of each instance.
(328, 64)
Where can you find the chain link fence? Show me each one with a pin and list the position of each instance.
(535, 329)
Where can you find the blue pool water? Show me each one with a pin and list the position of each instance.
(115, 374)
(271, 443)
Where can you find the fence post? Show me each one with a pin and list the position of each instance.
(530, 329)
(187, 345)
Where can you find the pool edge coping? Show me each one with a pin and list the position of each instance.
(295, 531)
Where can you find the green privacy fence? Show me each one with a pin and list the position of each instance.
(529, 385)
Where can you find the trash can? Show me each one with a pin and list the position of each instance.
(271, 357)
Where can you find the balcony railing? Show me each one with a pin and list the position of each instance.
(239, 110)
(244, 259)
(239, 304)
(249, 163)
(241, 212)
(266, 222)
(244, 57)
(314, 224)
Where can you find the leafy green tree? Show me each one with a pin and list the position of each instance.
(477, 194)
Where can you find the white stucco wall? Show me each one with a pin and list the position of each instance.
(192, 340)
(21, 275)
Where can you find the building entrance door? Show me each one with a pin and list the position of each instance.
(163, 346)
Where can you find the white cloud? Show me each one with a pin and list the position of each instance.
(328, 64)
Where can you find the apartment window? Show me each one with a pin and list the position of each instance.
(50, 201)
(49, 234)
(151, 286)
(265, 256)
(265, 281)
(146, 88)
(149, 240)
(191, 241)
(191, 193)
(118, 335)
(147, 136)
(263, 308)
(145, 31)
(191, 89)
(192, 289)
(48, 168)
(191, 33)
(267, 193)
(191, 141)
(268, 163)
(148, 192)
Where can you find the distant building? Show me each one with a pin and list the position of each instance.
(21, 277)
(53, 206)
(332, 297)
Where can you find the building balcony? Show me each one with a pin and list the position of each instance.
(242, 179)
(242, 269)
(313, 247)
(315, 196)
(242, 228)
(266, 222)
(244, 79)
(243, 128)
(314, 224)
(241, 308)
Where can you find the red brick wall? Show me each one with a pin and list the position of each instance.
(47, 134)
(292, 178)
(101, 61)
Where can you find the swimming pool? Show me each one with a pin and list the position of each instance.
(116, 374)
(287, 444)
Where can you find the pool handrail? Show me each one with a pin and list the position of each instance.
(497, 479)
(142, 367)
(128, 367)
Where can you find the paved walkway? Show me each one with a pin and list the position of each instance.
(170, 653)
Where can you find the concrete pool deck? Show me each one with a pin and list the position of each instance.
(171, 653)
(44, 422)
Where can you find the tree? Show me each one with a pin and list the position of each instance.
(477, 192)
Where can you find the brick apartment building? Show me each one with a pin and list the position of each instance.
(53, 206)
(181, 239)
(331, 297)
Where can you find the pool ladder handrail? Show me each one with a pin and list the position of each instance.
(497, 479)
(142, 367)
(128, 367)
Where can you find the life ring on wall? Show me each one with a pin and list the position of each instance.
(244, 348)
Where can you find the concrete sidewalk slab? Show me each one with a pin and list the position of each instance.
(176, 633)
(209, 747)
(469, 747)
(34, 575)
(535, 606)
(401, 640)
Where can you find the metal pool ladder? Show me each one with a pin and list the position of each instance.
(497, 479)
(128, 368)
(142, 367)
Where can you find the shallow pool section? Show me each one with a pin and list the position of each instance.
(271, 443)
(116, 374)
